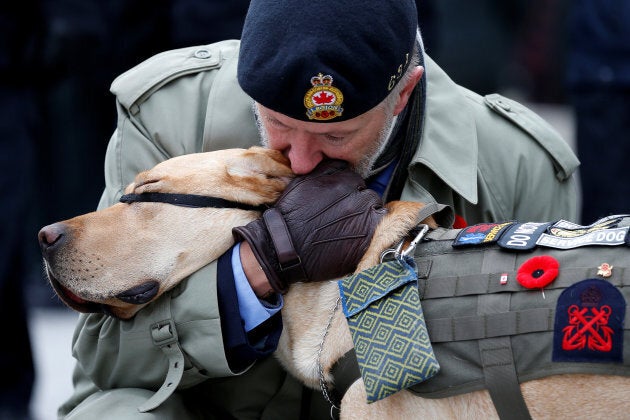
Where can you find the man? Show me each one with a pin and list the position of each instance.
(342, 80)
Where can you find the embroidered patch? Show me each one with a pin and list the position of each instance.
(391, 341)
(481, 234)
(522, 236)
(567, 239)
(323, 101)
(589, 323)
(603, 223)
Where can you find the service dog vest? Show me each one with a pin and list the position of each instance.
(510, 302)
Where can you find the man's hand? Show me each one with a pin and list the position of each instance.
(319, 228)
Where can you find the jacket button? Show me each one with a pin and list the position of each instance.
(202, 53)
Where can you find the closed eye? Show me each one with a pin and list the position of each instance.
(334, 139)
(275, 123)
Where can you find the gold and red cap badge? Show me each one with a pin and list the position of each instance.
(323, 101)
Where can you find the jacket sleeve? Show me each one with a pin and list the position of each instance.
(153, 125)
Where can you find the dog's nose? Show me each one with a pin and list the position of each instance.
(51, 236)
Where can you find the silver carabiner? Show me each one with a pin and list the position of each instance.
(414, 242)
(401, 253)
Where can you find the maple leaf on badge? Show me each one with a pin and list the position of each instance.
(323, 98)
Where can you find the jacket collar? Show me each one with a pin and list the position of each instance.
(449, 139)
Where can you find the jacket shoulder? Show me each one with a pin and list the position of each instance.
(137, 84)
(535, 127)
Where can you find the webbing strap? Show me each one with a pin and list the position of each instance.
(482, 326)
(484, 283)
(475, 327)
(290, 263)
(441, 234)
(164, 335)
(501, 380)
(496, 354)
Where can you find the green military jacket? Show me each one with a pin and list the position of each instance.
(489, 157)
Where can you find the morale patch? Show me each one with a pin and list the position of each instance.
(563, 239)
(603, 223)
(481, 234)
(522, 236)
(589, 323)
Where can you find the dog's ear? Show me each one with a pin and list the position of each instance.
(260, 162)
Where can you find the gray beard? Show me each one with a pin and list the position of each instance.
(364, 166)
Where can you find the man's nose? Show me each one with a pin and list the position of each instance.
(304, 155)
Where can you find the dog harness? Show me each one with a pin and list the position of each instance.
(510, 302)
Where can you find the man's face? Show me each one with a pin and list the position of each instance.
(359, 141)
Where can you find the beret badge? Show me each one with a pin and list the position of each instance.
(323, 100)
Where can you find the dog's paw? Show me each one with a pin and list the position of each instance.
(252, 176)
(260, 174)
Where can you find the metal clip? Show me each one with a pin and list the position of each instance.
(414, 242)
(401, 253)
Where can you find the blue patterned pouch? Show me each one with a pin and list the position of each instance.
(392, 345)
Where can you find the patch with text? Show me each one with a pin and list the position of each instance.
(567, 239)
(522, 236)
(481, 234)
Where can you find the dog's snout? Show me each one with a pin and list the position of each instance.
(51, 236)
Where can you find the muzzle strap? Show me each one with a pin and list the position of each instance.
(188, 200)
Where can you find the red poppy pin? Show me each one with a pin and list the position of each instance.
(537, 272)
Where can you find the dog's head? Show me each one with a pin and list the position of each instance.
(119, 259)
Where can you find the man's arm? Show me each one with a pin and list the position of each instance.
(107, 349)
(155, 124)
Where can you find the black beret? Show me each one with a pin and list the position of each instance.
(325, 61)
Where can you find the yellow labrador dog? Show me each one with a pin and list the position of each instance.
(119, 259)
